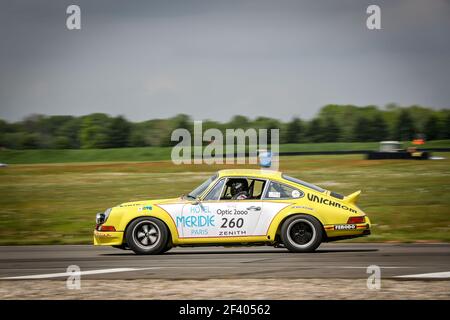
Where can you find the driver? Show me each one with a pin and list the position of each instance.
(239, 189)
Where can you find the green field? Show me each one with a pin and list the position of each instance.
(163, 153)
(56, 203)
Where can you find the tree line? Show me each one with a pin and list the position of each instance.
(333, 123)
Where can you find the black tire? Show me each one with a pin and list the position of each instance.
(147, 235)
(121, 247)
(167, 248)
(301, 233)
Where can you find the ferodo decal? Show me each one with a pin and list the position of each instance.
(328, 202)
(344, 227)
(223, 219)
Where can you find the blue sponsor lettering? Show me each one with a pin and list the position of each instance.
(196, 221)
(201, 232)
(199, 209)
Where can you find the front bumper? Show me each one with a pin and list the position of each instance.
(108, 238)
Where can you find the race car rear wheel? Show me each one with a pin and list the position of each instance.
(147, 236)
(301, 233)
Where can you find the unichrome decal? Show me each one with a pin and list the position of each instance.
(328, 202)
(223, 219)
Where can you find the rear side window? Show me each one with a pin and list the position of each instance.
(303, 183)
(281, 191)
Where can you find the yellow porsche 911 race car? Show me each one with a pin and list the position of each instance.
(235, 207)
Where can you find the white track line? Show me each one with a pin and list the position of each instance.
(81, 273)
(364, 267)
(433, 275)
(115, 270)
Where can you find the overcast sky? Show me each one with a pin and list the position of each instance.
(214, 59)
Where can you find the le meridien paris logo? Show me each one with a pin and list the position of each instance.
(233, 151)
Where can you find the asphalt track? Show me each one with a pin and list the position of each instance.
(337, 260)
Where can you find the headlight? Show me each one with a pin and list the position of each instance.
(101, 217)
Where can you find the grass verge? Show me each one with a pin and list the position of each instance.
(164, 153)
(406, 200)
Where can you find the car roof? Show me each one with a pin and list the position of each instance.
(258, 173)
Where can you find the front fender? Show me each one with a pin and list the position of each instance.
(120, 218)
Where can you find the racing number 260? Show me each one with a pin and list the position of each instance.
(231, 223)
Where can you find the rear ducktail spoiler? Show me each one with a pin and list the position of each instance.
(351, 198)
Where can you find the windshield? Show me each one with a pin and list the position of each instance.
(303, 183)
(194, 194)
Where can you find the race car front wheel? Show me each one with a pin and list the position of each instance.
(147, 236)
(301, 233)
(121, 247)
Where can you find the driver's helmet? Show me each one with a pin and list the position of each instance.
(237, 186)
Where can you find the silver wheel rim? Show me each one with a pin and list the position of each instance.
(294, 240)
(146, 234)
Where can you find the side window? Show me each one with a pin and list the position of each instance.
(257, 188)
(236, 189)
(281, 191)
(243, 189)
(226, 195)
(214, 194)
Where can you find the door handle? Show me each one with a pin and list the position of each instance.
(254, 208)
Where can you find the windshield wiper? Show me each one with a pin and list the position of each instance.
(190, 196)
